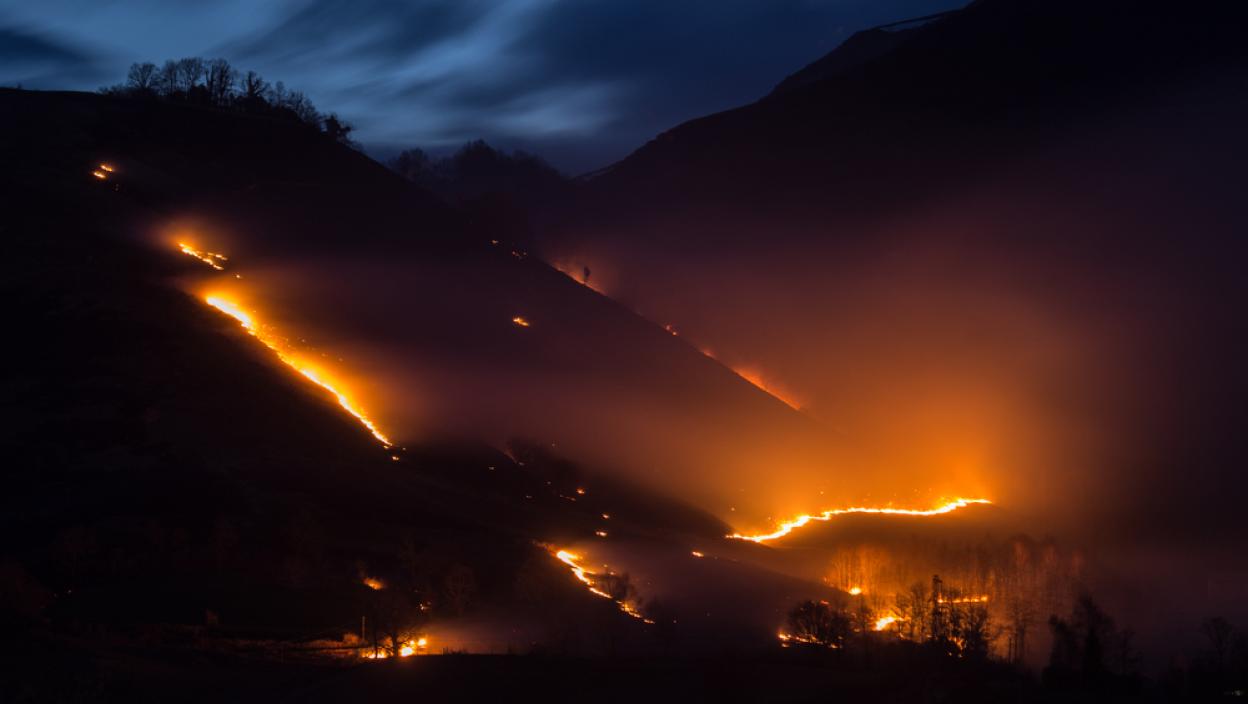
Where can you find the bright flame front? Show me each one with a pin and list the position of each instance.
(789, 526)
(248, 322)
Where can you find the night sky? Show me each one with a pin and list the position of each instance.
(581, 83)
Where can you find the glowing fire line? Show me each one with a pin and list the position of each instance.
(249, 324)
(789, 526)
(570, 559)
(212, 259)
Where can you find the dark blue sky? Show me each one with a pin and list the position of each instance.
(582, 82)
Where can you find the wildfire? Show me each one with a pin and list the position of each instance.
(855, 591)
(410, 647)
(791, 525)
(374, 583)
(884, 622)
(212, 259)
(572, 560)
(249, 324)
(521, 321)
(981, 599)
(99, 174)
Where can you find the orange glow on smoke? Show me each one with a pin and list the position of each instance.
(314, 375)
(884, 622)
(373, 583)
(800, 521)
(756, 379)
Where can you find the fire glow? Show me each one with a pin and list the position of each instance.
(789, 526)
(572, 560)
(410, 647)
(245, 319)
(212, 259)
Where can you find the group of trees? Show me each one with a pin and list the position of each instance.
(215, 83)
(1021, 579)
(938, 617)
(1088, 650)
(503, 194)
(477, 170)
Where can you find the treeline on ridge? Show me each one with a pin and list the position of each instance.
(215, 83)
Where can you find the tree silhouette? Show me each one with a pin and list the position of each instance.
(818, 623)
(142, 77)
(459, 587)
(339, 130)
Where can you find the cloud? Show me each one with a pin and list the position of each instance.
(33, 61)
(581, 81)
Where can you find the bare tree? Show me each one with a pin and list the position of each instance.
(459, 587)
(818, 623)
(1219, 632)
(254, 88)
(190, 72)
(913, 607)
(142, 77)
(167, 79)
(219, 80)
(339, 130)
(975, 636)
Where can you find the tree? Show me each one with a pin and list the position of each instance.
(818, 623)
(1020, 617)
(459, 587)
(167, 78)
(1219, 633)
(337, 129)
(1083, 645)
(142, 77)
(219, 80)
(190, 71)
(975, 637)
(913, 608)
(397, 616)
(255, 91)
(414, 165)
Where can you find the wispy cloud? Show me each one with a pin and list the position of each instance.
(581, 80)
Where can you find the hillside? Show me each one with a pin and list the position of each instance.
(967, 246)
(172, 486)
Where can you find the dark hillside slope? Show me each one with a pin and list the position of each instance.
(349, 256)
(942, 101)
(171, 487)
(982, 243)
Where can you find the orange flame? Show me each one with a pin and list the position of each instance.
(249, 324)
(800, 521)
(521, 321)
(572, 560)
(212, 259)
